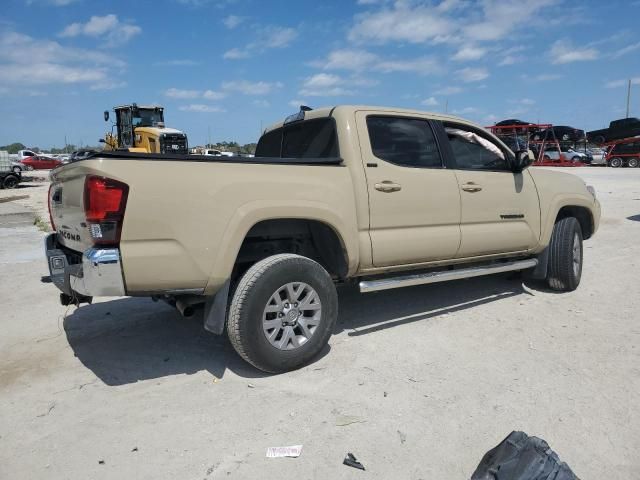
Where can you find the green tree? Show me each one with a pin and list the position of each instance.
(13, 148)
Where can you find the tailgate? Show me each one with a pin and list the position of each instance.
(66, 203)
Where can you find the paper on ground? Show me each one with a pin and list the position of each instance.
(293, 451)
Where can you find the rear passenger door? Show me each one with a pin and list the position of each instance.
(414, 201)
(500, 208)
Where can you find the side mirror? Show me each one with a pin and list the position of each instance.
(106, 115)
(101, 140)
(522, 161)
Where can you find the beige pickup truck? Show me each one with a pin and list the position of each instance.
(383, 197)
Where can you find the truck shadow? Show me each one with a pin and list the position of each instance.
(128, 340)
(132, 339)
(361, 314)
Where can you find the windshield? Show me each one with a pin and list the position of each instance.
(147, 117)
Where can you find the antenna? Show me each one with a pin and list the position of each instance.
(628, 97)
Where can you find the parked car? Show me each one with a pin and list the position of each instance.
(22, 154)
(625, 154)
(18, 168)
(210, 152)
(512, 122)
(562, 133)
(618, 129)
(39, 162)
(568, 155)
(80, 154)
(260, 245)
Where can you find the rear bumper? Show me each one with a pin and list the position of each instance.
(95, 273)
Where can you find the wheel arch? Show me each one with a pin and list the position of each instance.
(323, 224)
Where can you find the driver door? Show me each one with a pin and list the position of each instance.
(500, 210)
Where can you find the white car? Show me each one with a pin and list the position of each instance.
(22, 154)
(569, 154)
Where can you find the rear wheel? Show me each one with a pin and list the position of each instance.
(282, 313)
(10, 181)
(575, 159)
(565, 255)
(633, 162)
(615, 162)
(546, 158)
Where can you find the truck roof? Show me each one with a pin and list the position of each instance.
(350, 109)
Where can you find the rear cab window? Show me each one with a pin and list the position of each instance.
(315, 138)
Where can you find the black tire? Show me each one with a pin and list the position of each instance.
(17, 170)
(546, 158)
(633, 162)
(616, 162)
(10, 181)
(565, 263)
(251, 297)
(575, 159)
(599, 139)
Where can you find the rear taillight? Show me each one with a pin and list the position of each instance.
(53, 225)
(104, 203)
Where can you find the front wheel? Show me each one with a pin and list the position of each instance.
(565, 255)
(10, 181)
(282, 313)
(17, 170)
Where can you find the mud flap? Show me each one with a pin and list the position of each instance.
(540, 271)
(215, 310)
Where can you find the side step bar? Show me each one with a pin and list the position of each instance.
(444, 276)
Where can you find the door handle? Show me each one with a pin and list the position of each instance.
(387, 186)
(471, 187)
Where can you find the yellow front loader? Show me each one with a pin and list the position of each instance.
(141, 129)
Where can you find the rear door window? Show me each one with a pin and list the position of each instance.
(409, 142)
(307, 139)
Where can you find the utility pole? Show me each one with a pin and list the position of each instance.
(209, 136)
(628, 97)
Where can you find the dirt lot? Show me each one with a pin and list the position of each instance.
(418, 383)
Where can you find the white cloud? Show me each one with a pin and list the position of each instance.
(468, 53)
(251, 88)
(324, 85)
(200, 108)
(177, 63)
(527, 101)
(213, 95)
(107, 27)
(403, 23)
(429, 102)
(268, 37)
(55, 3)
(349, 59)
(423, 66)
(232, 21)
(509, 60)
(108, 85)
(622, 83)
(236, 54)
(50, 63)
(470, 74)
(542, 77)
(261, 103)
(182, 94)
(361, 60)
(628, 49)
(562, 51)
(452, 90)
(451, 21)
(191, 94)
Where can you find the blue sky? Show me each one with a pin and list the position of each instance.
(229, 66)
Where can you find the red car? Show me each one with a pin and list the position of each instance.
(39, 162)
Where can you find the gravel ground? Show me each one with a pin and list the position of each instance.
(418, 383)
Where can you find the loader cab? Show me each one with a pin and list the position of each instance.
(129, 117)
